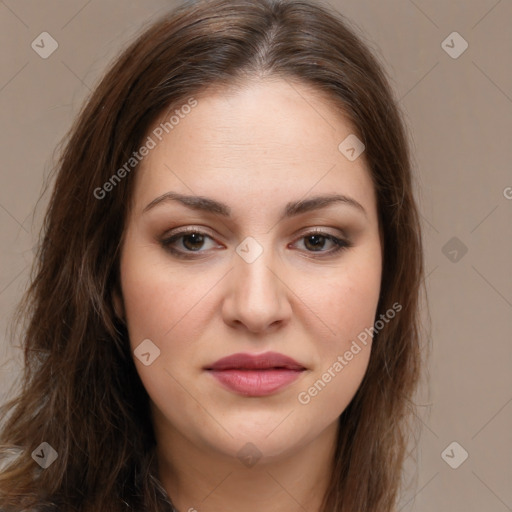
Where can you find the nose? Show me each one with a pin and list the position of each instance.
(257, 297)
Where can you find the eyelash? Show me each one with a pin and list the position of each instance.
(166, 243)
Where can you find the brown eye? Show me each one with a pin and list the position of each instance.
(316, 242)
(193, 241)
(186, 242)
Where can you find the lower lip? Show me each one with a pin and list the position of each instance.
(256, 382)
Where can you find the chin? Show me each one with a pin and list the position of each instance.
(265, 443)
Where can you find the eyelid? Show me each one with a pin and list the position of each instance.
(189, 229)
(301, 233)
(324, 230)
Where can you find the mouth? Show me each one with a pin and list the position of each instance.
(256, 375)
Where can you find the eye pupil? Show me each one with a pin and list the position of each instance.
(316, 239)
(196, 239)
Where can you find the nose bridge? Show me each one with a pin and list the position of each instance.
(257, 295)
(253, 262)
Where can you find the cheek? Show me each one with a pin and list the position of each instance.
(342, 358)
(346, 309)
(158, 299)
(345, 302)
(158, 305)
(358, 298)
(170, 308)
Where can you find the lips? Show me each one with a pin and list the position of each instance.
(256, 375)
(266, 361)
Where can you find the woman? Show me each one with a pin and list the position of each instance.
(224, 314)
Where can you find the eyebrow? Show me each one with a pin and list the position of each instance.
(291, 209)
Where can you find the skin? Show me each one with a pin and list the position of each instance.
(254, 149)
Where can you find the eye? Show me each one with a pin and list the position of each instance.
(190, 240)
(315, 241)
(184, 243)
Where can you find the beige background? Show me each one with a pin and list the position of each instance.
(459, 112)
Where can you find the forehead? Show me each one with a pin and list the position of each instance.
(268, 137)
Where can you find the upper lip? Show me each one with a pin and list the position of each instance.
(255, 362)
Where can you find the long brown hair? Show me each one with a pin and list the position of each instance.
(80, 392)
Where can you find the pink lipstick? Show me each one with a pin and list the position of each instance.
(256, 374)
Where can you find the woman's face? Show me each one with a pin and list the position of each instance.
(259, 270)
